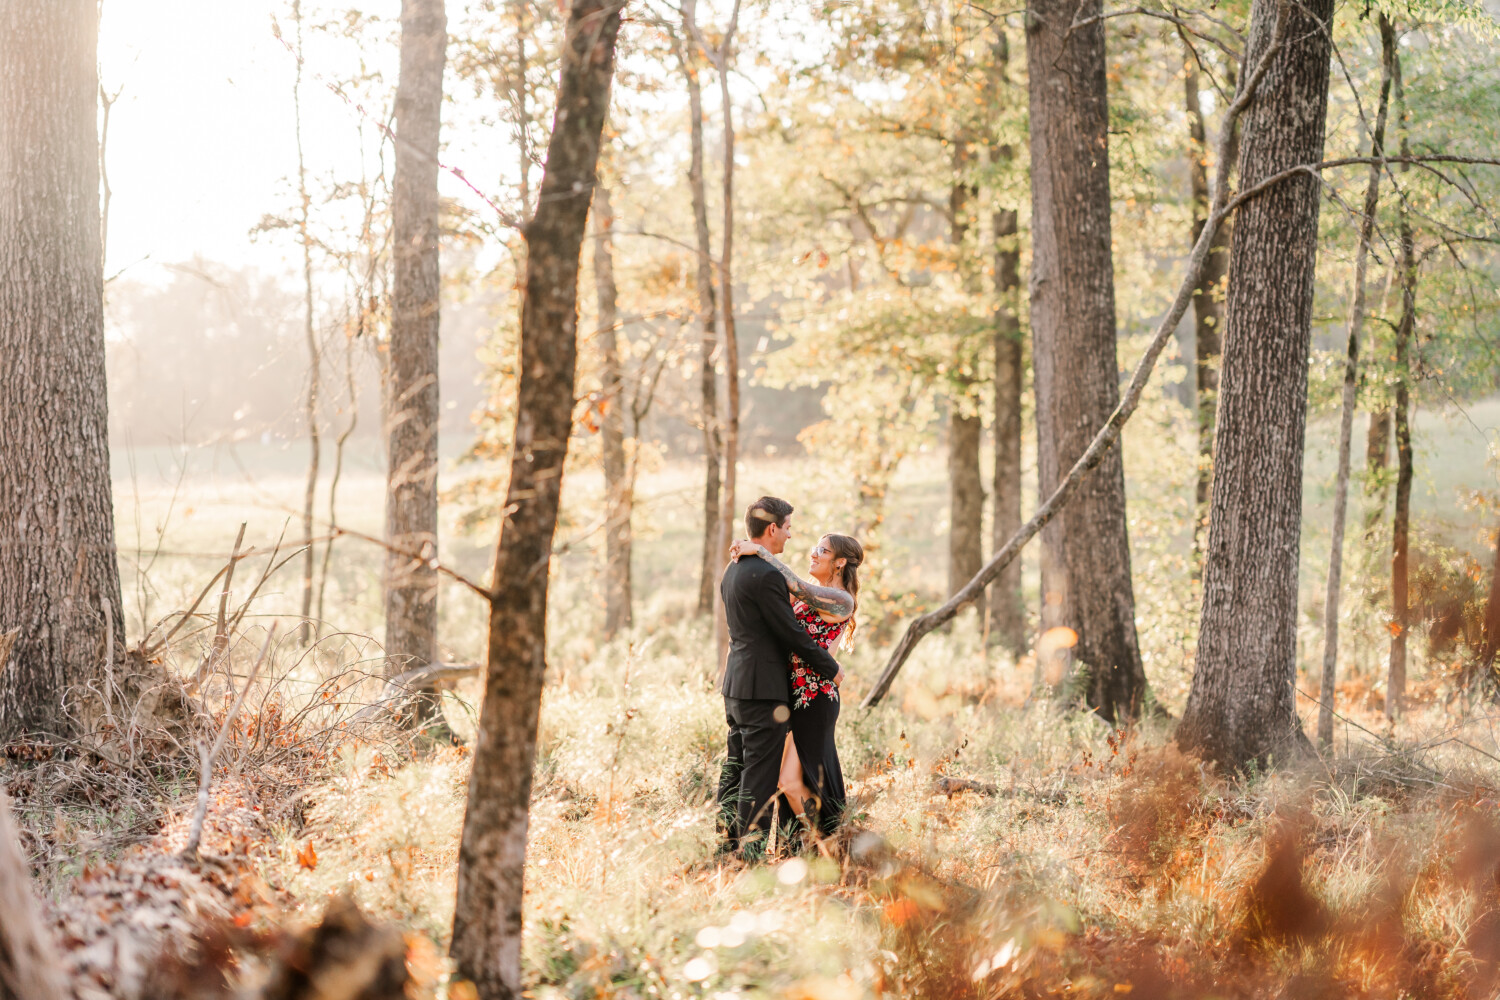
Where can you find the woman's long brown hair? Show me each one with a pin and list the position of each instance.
(847, 548)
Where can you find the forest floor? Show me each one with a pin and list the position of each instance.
(996, 846)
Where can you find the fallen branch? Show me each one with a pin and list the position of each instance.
(421, 680)
(205, 777)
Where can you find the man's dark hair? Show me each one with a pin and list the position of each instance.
(765, 512)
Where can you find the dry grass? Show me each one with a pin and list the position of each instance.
(996, 847)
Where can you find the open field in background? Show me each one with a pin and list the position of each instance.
(178, 511)
(996, 847)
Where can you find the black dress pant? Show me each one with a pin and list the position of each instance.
(812, 731)
(757, 733)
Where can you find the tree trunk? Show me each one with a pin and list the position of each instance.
(1492, 614)
(314, 351)
(59, 579)
(411, 586)
(1208, 306)
(618, 488)
(1351, 377)
(1242, 705)
(1395, 687)
(965, 426)
(1377, 460)
(28, 963)
(731, 347)
(1087, 585)
(492, 855)
(707, 317)
(1007, 611)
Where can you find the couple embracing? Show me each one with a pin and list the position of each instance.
(781, 682)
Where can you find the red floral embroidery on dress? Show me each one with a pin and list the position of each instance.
(807, 685)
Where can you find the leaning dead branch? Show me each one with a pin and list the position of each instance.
(1108, 435)
(205, 778)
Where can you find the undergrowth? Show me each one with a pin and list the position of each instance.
(995, 848)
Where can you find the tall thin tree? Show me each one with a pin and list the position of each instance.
(492, 855)
(1007, 612)
(1406, 268)
(729, 340)
(1086, 558)
(1242, 705)
(1351, 382)
(59, 578)
(689, 54)
(310, 337)
(1208, 299)
(619, 492)
(412, 396)
(965, 426)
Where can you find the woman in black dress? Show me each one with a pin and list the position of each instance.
(811, 778)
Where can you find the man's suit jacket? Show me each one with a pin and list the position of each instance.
(764, 633)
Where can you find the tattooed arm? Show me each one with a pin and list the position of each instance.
(832, 602)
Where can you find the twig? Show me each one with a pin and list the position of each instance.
(220, 643)
(207, 756)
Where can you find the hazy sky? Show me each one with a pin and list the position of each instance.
(201, 142)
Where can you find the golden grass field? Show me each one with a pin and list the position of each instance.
(997, 846)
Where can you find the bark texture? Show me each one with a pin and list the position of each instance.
(1086, 558)
(619, 491)
(965, 427)
(707, 315)
(1007, 610)
(1242, 705)
(1208, 305)
(492, 855)
(411, 586)
(59, 580)
(1377, 461)
(1395, 694)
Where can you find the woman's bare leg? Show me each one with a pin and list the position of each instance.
(790, 780)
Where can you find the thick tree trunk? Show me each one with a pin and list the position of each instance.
(1351, 381)
(59, 579)
(411, 585)
(619, 490)
(1208, 306)
(1087, 586)
(1242, 705)
(965, 427)
(707, 316)
(492, 856)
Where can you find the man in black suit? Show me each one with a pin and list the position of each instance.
(763, 635)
